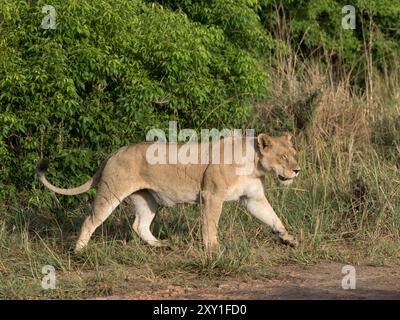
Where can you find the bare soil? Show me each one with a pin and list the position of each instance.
(322, 281)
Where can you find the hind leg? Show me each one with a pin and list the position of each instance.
(146, 208)
(104, 204)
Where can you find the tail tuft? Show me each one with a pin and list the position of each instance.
(42, 167)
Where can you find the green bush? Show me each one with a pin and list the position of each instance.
(239, 20)
(314, 29)
(111, 70)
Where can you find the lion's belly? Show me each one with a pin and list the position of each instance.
(172, 184)
(170, 198)
(248, 187)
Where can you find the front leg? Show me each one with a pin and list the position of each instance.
(211, 208)
(260, 208)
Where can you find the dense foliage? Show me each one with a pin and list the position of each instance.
(112, 69)
(315, 28)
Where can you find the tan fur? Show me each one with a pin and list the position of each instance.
(128, 175)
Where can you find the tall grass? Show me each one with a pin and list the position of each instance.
(349, 144)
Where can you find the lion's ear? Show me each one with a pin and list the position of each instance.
(289, 138)
(264, 141)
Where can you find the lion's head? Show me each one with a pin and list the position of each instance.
(278, 155)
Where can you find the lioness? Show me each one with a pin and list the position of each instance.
(128, 174)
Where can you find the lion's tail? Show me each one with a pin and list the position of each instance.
(42, 167)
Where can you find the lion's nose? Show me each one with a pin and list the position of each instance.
(296, 171)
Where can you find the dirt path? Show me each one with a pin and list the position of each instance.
(321, 281)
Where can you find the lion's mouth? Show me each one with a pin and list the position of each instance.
(282, 178)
